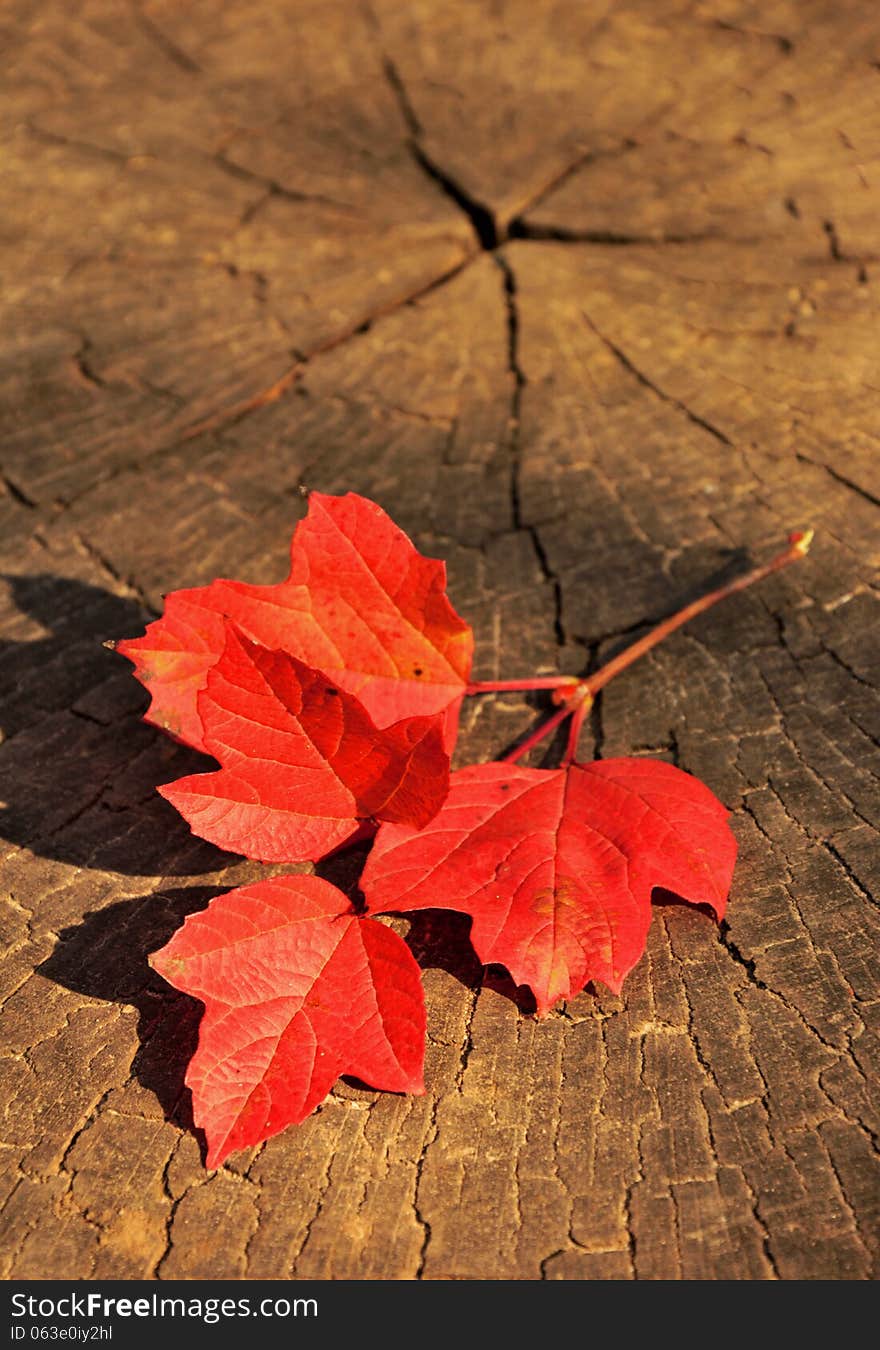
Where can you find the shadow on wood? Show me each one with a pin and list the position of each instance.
(105, 957)
(80, 768)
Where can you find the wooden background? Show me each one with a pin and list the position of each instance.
(587, 296)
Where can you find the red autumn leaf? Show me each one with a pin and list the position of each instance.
(297, 990)
(556, 867)
(360, 604)
(302, 762)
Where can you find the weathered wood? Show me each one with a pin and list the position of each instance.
(585, 296)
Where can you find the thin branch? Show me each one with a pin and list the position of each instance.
(543, 682)
(581, 709)
(539, 734)
(798, 544)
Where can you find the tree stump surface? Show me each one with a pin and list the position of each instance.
(586, 297)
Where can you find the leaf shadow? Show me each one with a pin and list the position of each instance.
(547, 754)
(663, 899)
(695, 583)
(80, 768)
(105, 957)
(344, 866)
(439, 939)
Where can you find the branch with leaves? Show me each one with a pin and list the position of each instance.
(331, 702)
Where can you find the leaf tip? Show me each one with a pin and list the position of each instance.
(165, 964)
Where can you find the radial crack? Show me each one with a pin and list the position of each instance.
(649, 384)
(16, 493)
(838, 477)
(166, 45)
(482, 220)
(520, 229)
(519, 383)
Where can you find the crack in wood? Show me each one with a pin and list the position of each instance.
(644, 380)
(839, 477)
(160, 39)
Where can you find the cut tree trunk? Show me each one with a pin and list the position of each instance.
(586, 297)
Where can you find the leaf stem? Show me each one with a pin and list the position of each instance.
(539, 734)
(580, 709)
(542, 682)
(798, 545)
(576, 695)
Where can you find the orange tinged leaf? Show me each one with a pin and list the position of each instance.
(360, 604)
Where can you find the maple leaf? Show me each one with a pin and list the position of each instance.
(297, 990)
(302, 763)
(360, 604)
(556, 867)
(333, 698)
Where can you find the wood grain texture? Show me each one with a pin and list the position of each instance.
(585, 295)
